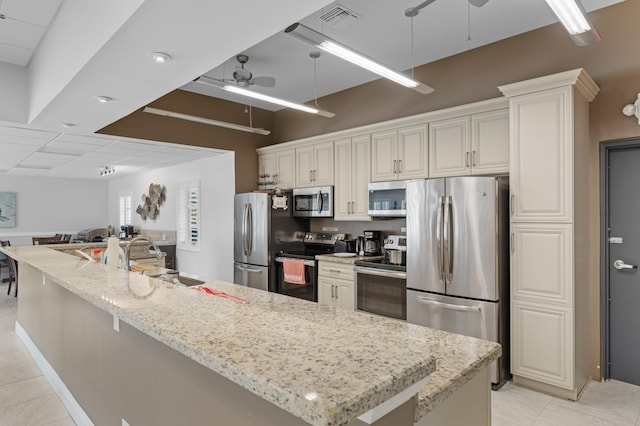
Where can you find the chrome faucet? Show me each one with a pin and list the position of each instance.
(127, 249)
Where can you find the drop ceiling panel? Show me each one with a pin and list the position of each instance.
(21, 34)
(33, 134)
(37, 12)
(71, 146)
(88, 140)
(15, 55)
(46, 159)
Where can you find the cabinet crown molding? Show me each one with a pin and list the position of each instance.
(577, 77)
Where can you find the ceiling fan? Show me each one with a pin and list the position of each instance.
(244, 78)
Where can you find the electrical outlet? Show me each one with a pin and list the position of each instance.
(329, 229)
(124, 423)
(116, 327)
(403, 229)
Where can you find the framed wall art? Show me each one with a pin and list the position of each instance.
(7, 209)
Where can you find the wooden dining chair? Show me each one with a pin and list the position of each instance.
(13, 269)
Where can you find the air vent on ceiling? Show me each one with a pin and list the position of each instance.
(339, 17)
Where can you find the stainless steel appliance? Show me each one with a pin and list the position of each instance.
(381, 288)
(313, 202)
(372, 243)
(458, 259)
(395, 249)
(315, 243)
(90, 235)
(264, 226)
(388, 199)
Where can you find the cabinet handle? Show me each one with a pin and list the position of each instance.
(467, 159)
(332, 286)
(473, 158)
(395, 166)
(399, 166)
(337, 271)
(349, 207)
(336, 292)
(276, 179)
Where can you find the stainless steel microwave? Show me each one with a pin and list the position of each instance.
(313, 202)
(388, 199)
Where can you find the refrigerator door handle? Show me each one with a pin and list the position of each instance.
(443, 305)
(243, 269)
(245, 247)
(439, 237)
(448, 239)
(249, 229)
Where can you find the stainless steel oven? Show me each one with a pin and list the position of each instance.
(381, 290)
(313, 202)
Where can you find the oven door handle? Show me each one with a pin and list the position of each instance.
(380, 272)
(280, 259)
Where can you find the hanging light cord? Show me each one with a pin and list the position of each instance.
(468, 21)
(413, 65)
(315, 82)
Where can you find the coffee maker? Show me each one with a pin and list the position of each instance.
(372, 244)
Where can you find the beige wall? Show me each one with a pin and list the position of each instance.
(149, 126)
(471, 76)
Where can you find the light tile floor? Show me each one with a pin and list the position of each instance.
(26, 398)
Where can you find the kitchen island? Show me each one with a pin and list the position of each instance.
(126, 347)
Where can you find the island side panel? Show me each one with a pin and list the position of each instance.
(128, 374)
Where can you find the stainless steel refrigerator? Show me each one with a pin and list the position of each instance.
(458, 259)
(262, 228)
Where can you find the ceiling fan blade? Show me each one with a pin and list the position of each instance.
(264, 81)
(478, 3)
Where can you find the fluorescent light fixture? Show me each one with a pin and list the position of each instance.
(329, 45)
(266, 98)
(206, 121)
(571, 14)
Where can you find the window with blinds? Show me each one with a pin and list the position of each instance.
(125, 208)
(188, 216)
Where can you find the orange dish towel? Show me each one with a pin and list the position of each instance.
(293, 271)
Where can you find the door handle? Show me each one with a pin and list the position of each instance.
(439, 237)
(620, 265)
(449, 305)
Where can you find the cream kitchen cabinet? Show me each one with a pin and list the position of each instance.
(352, 175)
(277, 169)
(336, 285)
(549, 175)
(399, 154)
(314, 164)
(476, 144)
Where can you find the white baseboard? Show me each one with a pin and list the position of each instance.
(75, 410)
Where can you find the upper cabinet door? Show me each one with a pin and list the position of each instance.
(360, 176)
(267, 171)
(490, 142)
(323, 163)
(304, 166)
(412, 153)
(541, 156)
(449, 153)
(342, 191)
(384, 156)
(286, 169)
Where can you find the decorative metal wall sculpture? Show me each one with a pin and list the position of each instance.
(151, 202)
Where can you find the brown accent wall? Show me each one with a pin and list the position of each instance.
(471, 76)
(166, 129)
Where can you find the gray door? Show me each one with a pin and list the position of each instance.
(251, 233)
(471, 237)
(623, 193)
(425, 239)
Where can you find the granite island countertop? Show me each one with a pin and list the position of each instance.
(280, 348)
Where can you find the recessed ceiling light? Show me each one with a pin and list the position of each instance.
(103, 99)
(68, 125)
(160, 57)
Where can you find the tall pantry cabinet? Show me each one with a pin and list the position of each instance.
(549, 142)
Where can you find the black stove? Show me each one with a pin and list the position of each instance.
(315, 243)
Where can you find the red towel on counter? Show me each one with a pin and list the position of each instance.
(293, 271)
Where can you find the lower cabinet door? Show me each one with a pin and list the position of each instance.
(345, 297)
(542, 343)
(326, 291)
